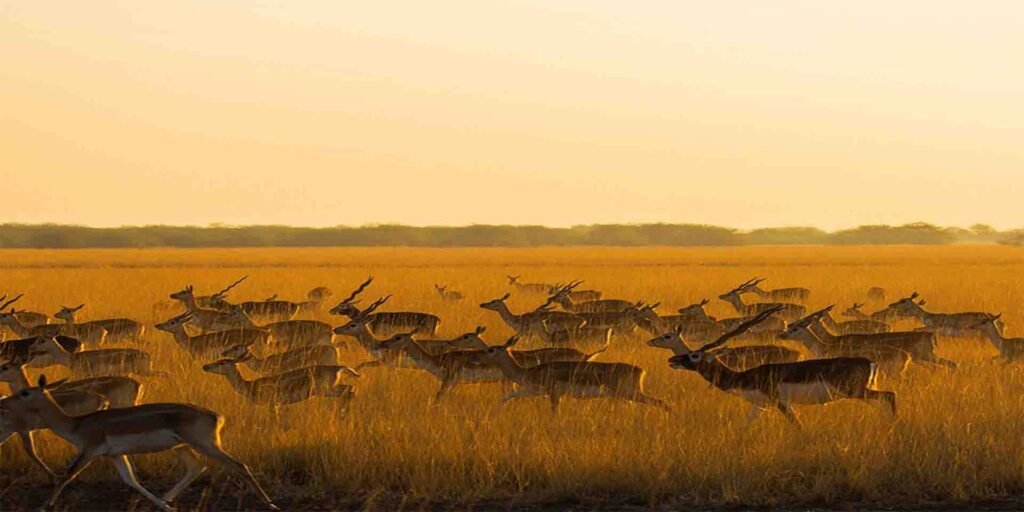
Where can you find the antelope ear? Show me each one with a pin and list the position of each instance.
(480, 329)
(511, 341)
(42, 380)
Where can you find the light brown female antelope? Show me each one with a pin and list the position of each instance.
(892, 361)
(204, 319)
(528, 358)
(117, 433)
(884, 315)
(790, 295)
(689, 323)
(290, 334)
(358, 329)
(920, 345)
(532, 323)
(734, 297)
(119, 391)
(446, 294)
(737, 358)
(317, 355)
(28, 319)
(11, 320)
(852, 326)
(211, 344)
(780, 386)
(117, 329)
(528, 287)
(270, 309)
(1011, 350)
(390, 322)
(563, 296)
(290, 387)
(564, 378)
(954, 325)
(20, 351)
(111, 361)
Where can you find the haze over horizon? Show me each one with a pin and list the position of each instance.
(558, 113)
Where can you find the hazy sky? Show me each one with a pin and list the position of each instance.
(552, 112)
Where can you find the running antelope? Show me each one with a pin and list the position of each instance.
(586, 335)
(290, 334)
(527, 358)
(737, 358)
(294, 359)
(1011, 350)
(212, 344)
(358, 329)
(883, 315)
(853, 326)
(119, 391)
(270, 309)
(290, 387)
(690, 324)
(562, 295)
(919, 344)
(10, 319)
(217, 301)
(118, 433)
(117, 329)
(451, 368)
(29, 319)
(954, 325)
(446, 294)
(892, 361)
(390, 322)
(206, 320)
(75, 402)
(767, 329)
(20, 351)
(780, 386)
(571, 378)
(532, 323)
(791, 295)
(528, 287)
(787, 312)
(110, 361)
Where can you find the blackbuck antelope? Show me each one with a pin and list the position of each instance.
(211, 344)
(20, 351)
(767, 329)
(357, 328)
(206, 319)
(451, 368)
(920, 345)
(737, 358)
(217, 301)
(892, 361)
(289, 387)
(118, 433)
(446, 294)
(853, 326)
(294, 359)
(75, 402)
(290, 334)
(29, 319)
(780, 386)
(692, 325)
(563, 296)
(528, 358)
(10, 319)
(884, 315)
(571, 378)
(389, 322)
(533, 322)
(1010, 349)
(117, 329)
(117, 390)
(734, 297)
(110, 361)
(620, 322)
(587, 335)
(953, 325)
(520, 286)
(270, 309)
(791, 295)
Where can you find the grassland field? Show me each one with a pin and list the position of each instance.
(958, 440)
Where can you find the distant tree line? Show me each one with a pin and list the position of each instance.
(67, 236)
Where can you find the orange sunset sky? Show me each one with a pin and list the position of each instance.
(551, 112)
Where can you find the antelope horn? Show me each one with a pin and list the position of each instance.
(358, 290)
(740, 329)
(12, 301)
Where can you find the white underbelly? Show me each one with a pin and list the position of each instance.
(156, 441)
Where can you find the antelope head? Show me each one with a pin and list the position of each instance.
(67, 313)
(496, 304)
(795, 329)
(694, 360)
(347, 305)
(172, 324)
(470, 339)
(185, 294)
(743, 288)
(906, 306)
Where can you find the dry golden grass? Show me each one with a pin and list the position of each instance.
(957, 438)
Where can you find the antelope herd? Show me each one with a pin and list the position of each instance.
(787, 356)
